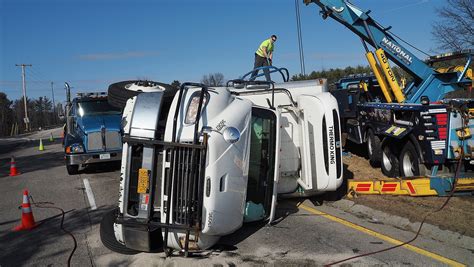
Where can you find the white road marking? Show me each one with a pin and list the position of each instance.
(90, 195)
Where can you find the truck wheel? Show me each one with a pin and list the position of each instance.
(410, 165)
(390, 164)
(72, 169)
(120, 92)
(107, 235)
(374, 148)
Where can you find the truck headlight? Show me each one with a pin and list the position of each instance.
(75, 148)
(193, 107)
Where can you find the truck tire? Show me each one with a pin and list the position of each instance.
(72, 169)
(374, 148)
(410, 162)
(120, 92)
(107, 235)
(389, 164)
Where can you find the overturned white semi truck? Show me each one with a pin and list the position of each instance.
(195, 170)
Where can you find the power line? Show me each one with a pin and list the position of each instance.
(40, 74)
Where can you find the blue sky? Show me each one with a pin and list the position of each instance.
(92, 43)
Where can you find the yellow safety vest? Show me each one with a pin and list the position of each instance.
(268, 44)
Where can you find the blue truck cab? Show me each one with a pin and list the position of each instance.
(92, 132)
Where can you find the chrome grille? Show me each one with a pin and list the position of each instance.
(94, 141)
(187, 178)
(113, 140)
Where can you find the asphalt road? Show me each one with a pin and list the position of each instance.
(306, 233)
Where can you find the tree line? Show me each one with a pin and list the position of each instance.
(41, 114)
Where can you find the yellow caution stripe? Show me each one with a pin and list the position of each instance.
(382, 237)
(413, 187)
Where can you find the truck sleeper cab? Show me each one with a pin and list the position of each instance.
(220, 153)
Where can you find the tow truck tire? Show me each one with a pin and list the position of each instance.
(107, 235)
(410, 165)
(389, 164)
(374, 148)
(120, 92)
(72, 169)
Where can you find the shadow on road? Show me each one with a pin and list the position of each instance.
(19, 247)
(357, 149)
(101, 167)
(22, 144)
(285, 208)
(41, 161)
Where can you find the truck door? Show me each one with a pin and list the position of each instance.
(320, 143)
(263, 135)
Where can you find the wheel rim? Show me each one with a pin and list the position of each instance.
(387, 163)
(369, 146)
(408, 164)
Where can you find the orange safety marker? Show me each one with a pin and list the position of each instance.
(411, 187)
(27, 219)
(13, 169)
(41, 146)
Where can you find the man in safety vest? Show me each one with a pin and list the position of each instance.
(263, 56)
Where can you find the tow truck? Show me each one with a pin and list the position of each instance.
(425, 132)
(217, 157)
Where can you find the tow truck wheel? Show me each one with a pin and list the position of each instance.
(120, 92)
(72, 169)
(410, 161)
(374, 150)
(107, 235)
(390, 163)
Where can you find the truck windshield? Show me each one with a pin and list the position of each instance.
(96, 107)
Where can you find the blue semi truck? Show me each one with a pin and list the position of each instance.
(92, 132)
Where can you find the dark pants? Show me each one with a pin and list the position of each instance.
(260, 62)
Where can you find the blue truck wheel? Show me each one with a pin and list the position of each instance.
(72, 169)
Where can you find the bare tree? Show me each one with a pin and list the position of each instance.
(6, 114)
(213, 79)
(455, 30)
(176, 83)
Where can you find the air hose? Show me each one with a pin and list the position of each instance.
(51, 205)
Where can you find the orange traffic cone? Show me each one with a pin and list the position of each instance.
(27, 219)
(13, 170)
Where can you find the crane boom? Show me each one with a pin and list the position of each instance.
(426, 80)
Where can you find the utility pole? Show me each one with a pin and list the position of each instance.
(27, 121)
(54, 105)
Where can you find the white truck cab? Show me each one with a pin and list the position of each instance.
(221, 156)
